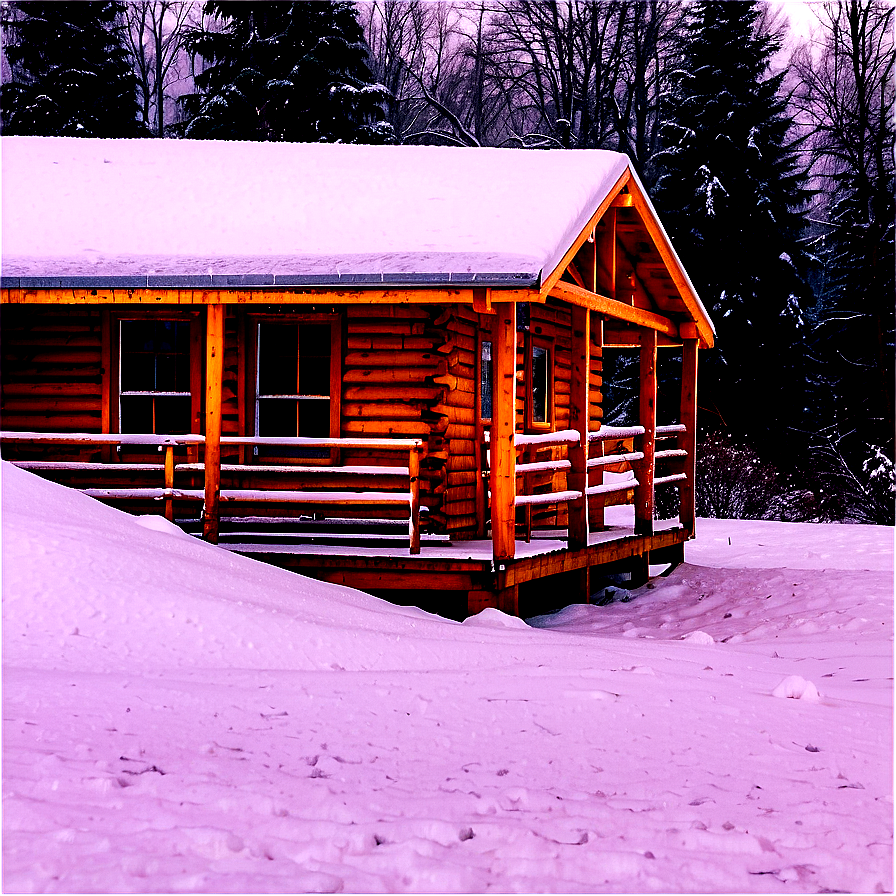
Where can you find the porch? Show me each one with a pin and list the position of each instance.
(363, 526)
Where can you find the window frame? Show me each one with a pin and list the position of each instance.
(197, 333)
(253, 320)
(531, 343)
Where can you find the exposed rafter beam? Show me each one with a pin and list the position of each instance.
(575, 295)
(679, 277)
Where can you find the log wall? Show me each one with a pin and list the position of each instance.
(51, 376)
(393, 356)
(462, 439)
(408, 371)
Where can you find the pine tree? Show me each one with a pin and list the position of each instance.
(731, 194)
(70, 75)
(284, 71)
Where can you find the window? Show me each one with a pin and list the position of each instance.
(539, 382)
(154, 376)
(297, 376)
(539, 391)
(485, 381)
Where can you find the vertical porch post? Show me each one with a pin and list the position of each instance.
(647, 414)
(214, 375)
(503, 453)
(579, 409)
(688, 440)
(596, 476)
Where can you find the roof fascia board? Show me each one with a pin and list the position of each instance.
(298, 296)
(548, 283)
(276, 281)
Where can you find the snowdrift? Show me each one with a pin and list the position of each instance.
(180, 719)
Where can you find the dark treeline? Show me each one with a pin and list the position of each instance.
(773, 175)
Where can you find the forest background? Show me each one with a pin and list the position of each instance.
(768, 153)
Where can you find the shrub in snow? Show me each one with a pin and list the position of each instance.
(733, 482)
(856, 481)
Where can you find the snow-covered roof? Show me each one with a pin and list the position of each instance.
(179, 212)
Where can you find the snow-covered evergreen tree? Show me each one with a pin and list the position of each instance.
(730, 194)
(70, 75)
(284, 71)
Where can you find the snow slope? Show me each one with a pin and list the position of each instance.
(179, 719)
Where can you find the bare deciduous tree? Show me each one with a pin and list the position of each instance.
(155, 30)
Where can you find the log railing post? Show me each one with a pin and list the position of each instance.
(414, 474)
(644, 502)
(579, 411)
(688, 440)
(214, 374)
(530, 453)
(169, 482)
(502, 472)
(596, 476)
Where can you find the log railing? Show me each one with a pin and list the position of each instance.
(613, 434)
(530, 466)
(672, 454)
(349, 488)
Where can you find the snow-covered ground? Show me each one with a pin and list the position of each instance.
(180, 719)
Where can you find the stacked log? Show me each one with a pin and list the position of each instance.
(460, 325)
(52, 374)
(392, 366)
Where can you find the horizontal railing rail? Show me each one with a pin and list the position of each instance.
(353, 493)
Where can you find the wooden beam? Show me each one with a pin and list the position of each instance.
(673, 266)
(579, 413)
(503, 453)
(214, 376)
(414, 477)
(169, 482)
(548, 283)
(261, 296)
(688, 440)
(576, 275)
(575, 295)
(605, 245)
(596, 475)
(482, 301)
(644, 469)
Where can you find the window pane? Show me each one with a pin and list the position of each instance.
(172, 415)
(166, 373)
(166, 335)
(278, 346)
(539, 384)
(314, 419)
(277, 417)
(137, 336)
(485, 385)
(138, 372)
(314, 359)
(136, 413)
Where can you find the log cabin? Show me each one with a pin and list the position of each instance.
(377, 366)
